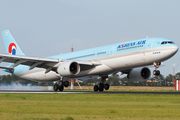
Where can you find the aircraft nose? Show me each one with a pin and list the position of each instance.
(175, 49)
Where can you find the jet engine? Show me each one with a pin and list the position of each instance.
(139, 74)
(68, 69)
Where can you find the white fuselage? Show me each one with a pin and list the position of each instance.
(110, 63)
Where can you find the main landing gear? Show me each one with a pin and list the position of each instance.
(102, 86)
(60, 85)
(157, 65)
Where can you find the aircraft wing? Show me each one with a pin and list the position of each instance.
(47, 63)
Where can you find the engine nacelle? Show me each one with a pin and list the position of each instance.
(67, 69)
(139, 74)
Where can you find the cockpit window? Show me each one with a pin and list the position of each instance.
(167, 42)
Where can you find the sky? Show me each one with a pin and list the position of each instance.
(44, 28)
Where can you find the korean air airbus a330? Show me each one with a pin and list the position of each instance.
(128, 58)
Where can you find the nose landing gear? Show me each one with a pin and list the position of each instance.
(157, 65)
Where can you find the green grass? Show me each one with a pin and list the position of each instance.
(89, 107)
(129, 88)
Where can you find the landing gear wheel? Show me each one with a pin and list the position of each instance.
(55, 87)
(106, 86)
(156, 72)
(96, 88)
(61, 88)
(101, 87)
(66, 84)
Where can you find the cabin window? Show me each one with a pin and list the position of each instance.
(101, 53)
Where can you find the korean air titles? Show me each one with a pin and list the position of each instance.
(132, 44)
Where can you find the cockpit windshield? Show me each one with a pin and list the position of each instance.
(167, 42)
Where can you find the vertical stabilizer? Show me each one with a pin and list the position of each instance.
(11, 45)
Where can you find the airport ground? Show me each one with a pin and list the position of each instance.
(90, 88)
(89, 106)
(128, 88)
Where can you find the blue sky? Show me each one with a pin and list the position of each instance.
(48, 27)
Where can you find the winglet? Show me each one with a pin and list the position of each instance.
(11, 45)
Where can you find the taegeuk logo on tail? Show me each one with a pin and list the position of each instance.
(12, 49)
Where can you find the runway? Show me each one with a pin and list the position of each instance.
(86, 92)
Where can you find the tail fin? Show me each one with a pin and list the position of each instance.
(10, 44)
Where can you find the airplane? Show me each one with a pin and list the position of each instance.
(129, 58)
